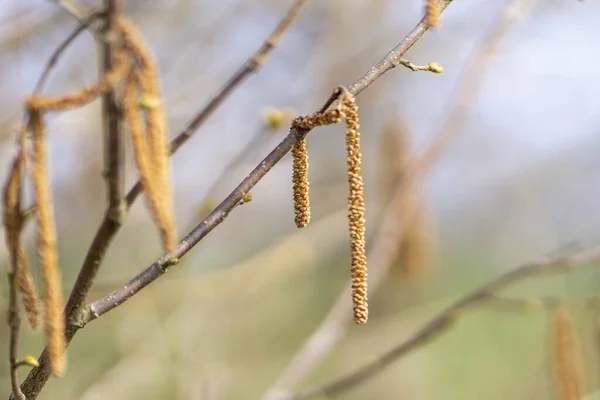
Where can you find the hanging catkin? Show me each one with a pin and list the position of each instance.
(47, 247)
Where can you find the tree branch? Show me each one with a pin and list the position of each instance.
(114, 146)
(445, 319)
(75, 314)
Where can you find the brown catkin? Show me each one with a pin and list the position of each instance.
(31, 302)
(86, 95)
(300, 184)
(565, 358)
(393, 157)
(13, 222)
(142, 156)
(416, 240)
(156, 133)
(311, 121)
(47, 247)
(356, 212)
(300, 160)
(432, 13)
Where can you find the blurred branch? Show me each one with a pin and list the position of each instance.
(72, 9)
(445, 319)
(114, 145)
(51, 63)
(548, 303)
(14, 324)
(333, 327)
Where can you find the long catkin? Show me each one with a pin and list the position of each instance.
(47, 248)
(86, 95)
(356, 212)
(156, 133)
(13, 222)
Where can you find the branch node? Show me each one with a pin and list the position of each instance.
(28, 361)
(434, 67)
(117, 214)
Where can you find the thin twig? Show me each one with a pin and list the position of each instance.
(443, 320)
(14, 323)
(72, 9)
(51, 63)
(431, 67)
(547, 303)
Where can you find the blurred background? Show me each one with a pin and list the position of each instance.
(517, 179)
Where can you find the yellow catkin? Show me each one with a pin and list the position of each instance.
(47, 247)
(416, 239)
(142, 156)
(13, 222)
(31, 302)
(300, 160)
(311, 121)
(356, 212)
(432, 13)
(565, 358)
(300, 184)
(393, 156)
(86, 95)
(156, 133)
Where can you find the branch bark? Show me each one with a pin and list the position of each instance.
(114, 147)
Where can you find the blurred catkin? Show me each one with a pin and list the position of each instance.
(568, 379)
(416, 241)
(156, 133)
(393, 156)
(300, 184)
(47, 247)
(142, 156)
(432, 13)
(13, 222)
(118, 71)
(356, 212)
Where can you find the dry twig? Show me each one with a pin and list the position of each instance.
(437, 325)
